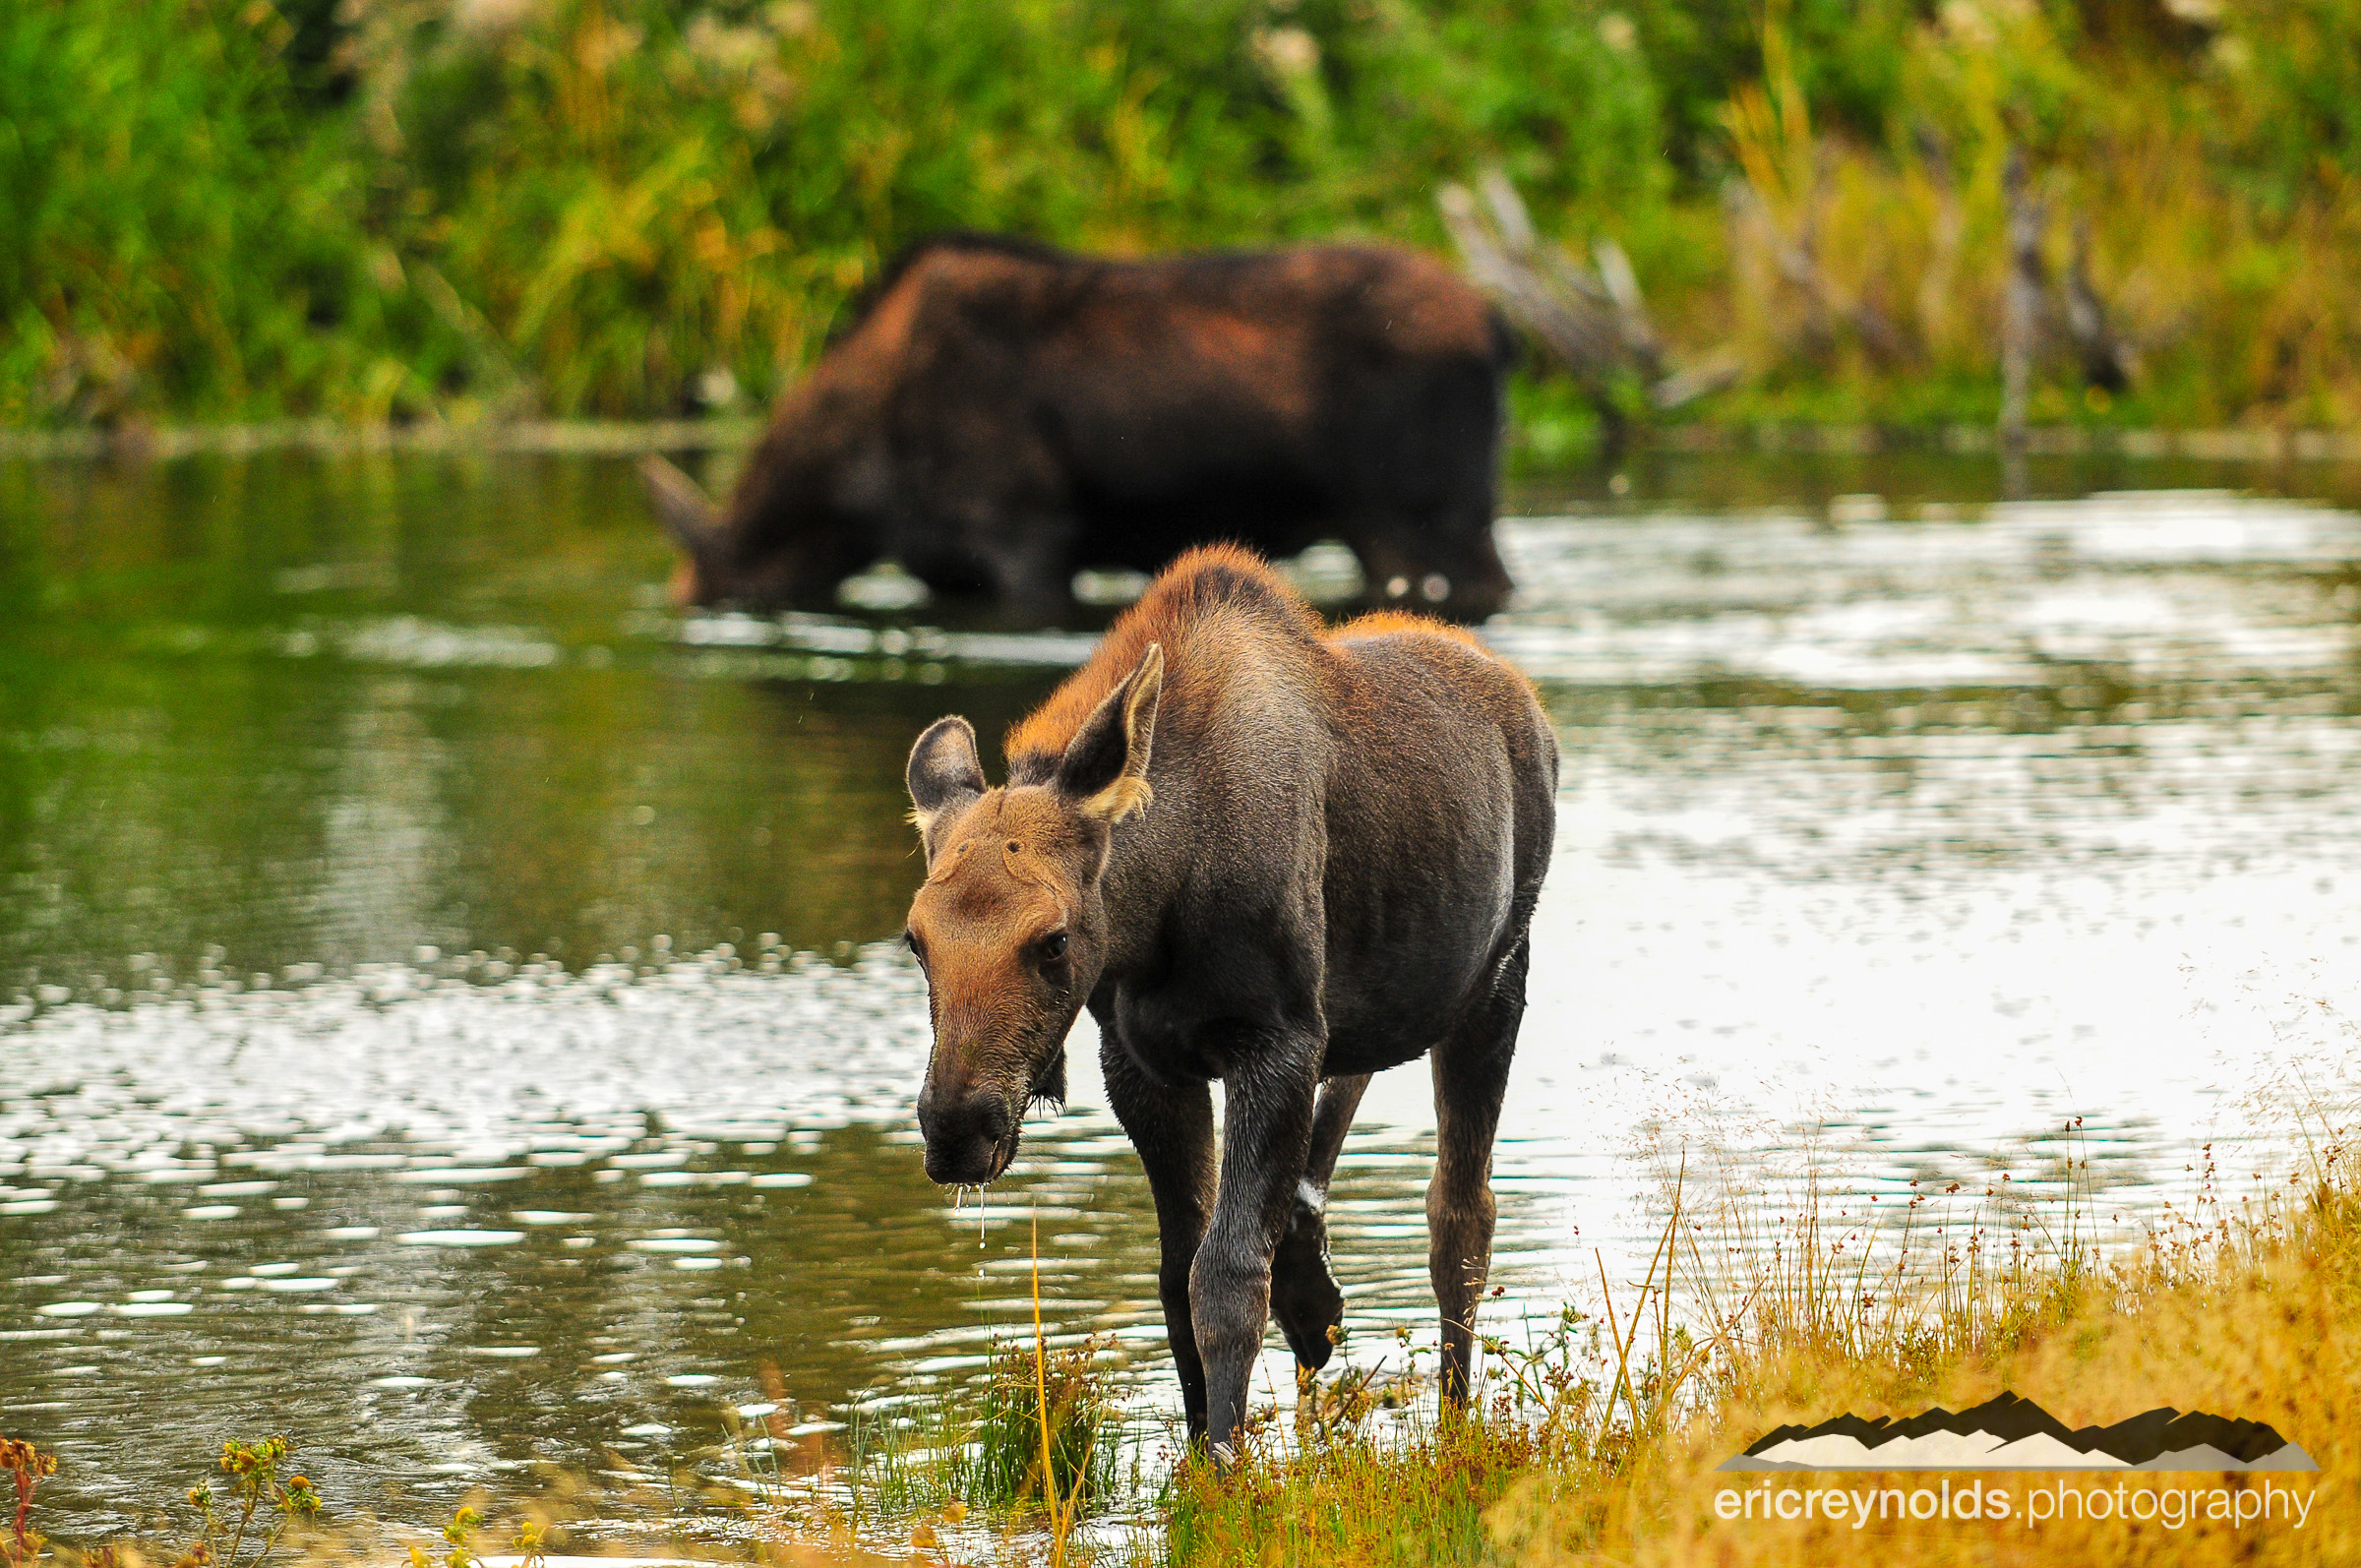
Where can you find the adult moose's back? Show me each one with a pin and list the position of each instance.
(1002, 414)
(1259, 851)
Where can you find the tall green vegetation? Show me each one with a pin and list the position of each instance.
(178, 233)
(459, 209)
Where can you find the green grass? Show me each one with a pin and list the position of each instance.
(463, 210)
(981, 1445)
(1037, 1409)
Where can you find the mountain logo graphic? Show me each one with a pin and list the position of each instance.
(2012, 1433)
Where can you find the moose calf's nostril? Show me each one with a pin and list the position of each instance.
(988, 1116)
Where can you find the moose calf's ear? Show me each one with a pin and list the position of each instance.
(944, 770)
(1104, 770)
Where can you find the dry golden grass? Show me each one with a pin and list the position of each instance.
(2266, 1332)
(1603, 1447)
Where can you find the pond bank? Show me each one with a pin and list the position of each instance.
(632, 438)
(599, 438)
(2255, 1316)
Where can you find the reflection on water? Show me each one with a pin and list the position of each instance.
(449, 1012)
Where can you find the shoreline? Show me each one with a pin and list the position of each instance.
(139, 442)
(596, 438)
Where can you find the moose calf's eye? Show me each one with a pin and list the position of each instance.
(1052, 947)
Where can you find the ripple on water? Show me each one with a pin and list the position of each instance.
(1930, 834)
(469, 1238)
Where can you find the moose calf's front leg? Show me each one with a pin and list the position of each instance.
(1266, 1130)
(1173, 1131)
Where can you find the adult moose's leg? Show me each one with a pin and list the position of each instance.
(1421, 517)
(1304, 1298)
(995, 494)
(1471, 1077)
(1173, 1131)
(1031, 557)
(1266, 1133)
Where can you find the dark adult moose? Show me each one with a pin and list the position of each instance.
(999, 415)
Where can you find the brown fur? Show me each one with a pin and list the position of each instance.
(1387, 623)
(1335, 873)
(1175, 605)
(1002, 414)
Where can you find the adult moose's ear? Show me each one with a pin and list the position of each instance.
(944, 774)
(1105, 769)
(688, 515)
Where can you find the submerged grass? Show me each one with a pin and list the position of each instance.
(1038, 1411)
(1038, 1415)
(1017, 1456)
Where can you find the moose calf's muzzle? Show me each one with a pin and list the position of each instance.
(971, 1134)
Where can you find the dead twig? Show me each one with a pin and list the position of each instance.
(1594, 325)
(2108, 362)
(2021, 303)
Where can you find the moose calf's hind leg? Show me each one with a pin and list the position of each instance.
(1305, 1297)
(1471, 1077)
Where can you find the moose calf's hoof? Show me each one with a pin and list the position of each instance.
(1305, 1297)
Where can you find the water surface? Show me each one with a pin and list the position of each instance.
(449, 1010)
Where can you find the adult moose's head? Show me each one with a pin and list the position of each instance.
(1010, 925)
(787, 535)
